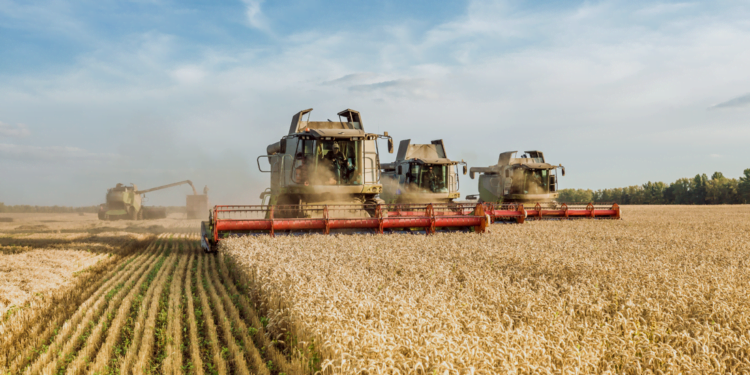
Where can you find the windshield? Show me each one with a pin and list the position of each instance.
(530, 181)
(429, 177)
(318, 162)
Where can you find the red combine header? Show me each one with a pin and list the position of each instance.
(227, 221)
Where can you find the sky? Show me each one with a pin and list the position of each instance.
(93, 93)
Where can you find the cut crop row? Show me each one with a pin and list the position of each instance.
(75, 331)
(170, 309)
(30, 331)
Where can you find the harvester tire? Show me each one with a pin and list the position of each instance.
(132, 214)
(140, 214)
(369, 204)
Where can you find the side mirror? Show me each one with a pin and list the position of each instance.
(465, 169)
(282, 146)
(563, 171)
(390, 145)
(400, 170)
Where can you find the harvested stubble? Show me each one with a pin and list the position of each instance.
(664, 291)
(143, 334)
(138, 314)
(38, 265)
(92, 344)
(211, 333)
(104, 356)
(249, 314)
(240, 328)
(227, 327)
(192, 324)
(173, 353)
(67, 344)
(39, 330)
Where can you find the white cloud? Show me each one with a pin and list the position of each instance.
(660, 9)
(49, 153)
(20, 130)
(189, 74)
(255, 15)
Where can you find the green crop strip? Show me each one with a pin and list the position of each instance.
(188, 367)
(205, 349)
(126, 334)
(160, 330)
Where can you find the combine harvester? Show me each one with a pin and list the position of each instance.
(511, 185)
(126, 203)
(421, 174)
(325, 178)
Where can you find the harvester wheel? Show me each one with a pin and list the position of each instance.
(132, 214)
(140, 214)
(370, 205)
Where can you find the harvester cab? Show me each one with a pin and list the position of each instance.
(324, 162)
(421, 173)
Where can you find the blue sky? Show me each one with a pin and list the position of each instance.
(620, 92)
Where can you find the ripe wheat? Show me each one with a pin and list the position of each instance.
(663, 291)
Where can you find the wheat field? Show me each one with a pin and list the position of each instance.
(664, 291)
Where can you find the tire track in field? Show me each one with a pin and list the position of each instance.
(168, 308)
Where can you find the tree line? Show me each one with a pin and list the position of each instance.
(697, 190)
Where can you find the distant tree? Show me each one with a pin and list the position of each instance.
(698, 190)
(653, 193)
(576, 196)
(722, 191)
(681, 191)
(743, 187)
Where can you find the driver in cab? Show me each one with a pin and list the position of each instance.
(337, 163)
